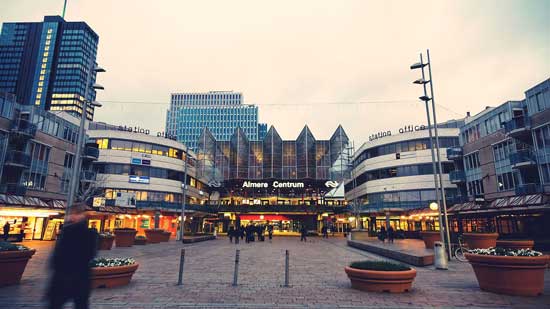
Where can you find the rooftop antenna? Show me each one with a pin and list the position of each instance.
(64, 7)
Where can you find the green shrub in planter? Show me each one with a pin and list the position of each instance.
(8, 246)
(379, 265)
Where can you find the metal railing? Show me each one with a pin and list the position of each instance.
(24, 127)
(91, 152)
(517, 123)
(529, 188)
(523, 156)
(13, 189)
(17, 158)
(454, 153)
(457, 176)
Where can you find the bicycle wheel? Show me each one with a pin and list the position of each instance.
(459, 254)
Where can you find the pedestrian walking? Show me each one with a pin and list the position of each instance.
(325, 231)
(241, 232)
(74, 250)
(6, 231)
(391, 234)
(303, 233)
(382, 234)
(231, 233)
(270, 232)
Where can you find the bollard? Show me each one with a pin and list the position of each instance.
(182, 260)
(236, 273)
(287, 275)
(440, 256)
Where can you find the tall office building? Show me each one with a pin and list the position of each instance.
(219, 111)
(46, 63)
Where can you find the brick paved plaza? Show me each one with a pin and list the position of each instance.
(317, 279)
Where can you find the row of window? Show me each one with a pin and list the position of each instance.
(154, 196)
(118, 144)
(426, 196)
(412, 145)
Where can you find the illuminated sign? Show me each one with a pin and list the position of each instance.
(279, 184)
(139, 161)
(139, 179)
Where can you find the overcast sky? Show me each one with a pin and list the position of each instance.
(293, 58)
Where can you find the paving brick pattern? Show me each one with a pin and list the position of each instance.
(317, 279)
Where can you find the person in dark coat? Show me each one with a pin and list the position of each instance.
(231, 233)
(325, 231)
(270, 232)
(74, 250)
(242, 232)
(391, 234)
(6, 231)
(303, 233)
(382, 234)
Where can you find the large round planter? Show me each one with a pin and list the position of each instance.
(12, 266)
(512, 275)
(166, 236)
(125, 238)
(154, 235)
(108, 277)
(515, 244)
(480, 240)
(106, 243)
(429, 238)
(381, 281)
(140, 241)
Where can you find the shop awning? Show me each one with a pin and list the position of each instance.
(27, 201)
(534, 201)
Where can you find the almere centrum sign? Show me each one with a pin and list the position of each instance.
(281, 184)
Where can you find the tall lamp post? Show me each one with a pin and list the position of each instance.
(438, 178)
(75, 173)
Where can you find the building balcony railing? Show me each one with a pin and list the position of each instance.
(454, 153)
(457, 177)
(90, 153)
(23, 128)
(529, 188)
(518, 127)
(88, 176)
(17, 159)
(13, 189)
(522, 158)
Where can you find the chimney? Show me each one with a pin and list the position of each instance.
(467, 114)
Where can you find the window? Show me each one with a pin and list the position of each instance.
(35, 178)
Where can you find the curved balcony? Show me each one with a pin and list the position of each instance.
(522, 159)
(23, 128)
(454, 153)
(456, 177)
(17, 159)
(90, 153)
(518, 127)
(13, 189)
(88, 176)
(529, 188)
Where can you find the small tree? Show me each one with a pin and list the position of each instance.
(89, 190)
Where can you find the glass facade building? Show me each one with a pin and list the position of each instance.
(46, 63)
(219, 111)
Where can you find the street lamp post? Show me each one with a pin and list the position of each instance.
(438, 178)
(75, 173)
(184, 197)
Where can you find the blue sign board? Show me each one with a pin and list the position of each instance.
(136, 161)
(139, 161)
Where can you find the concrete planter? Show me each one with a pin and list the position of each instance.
(154, 235)
(166, 236)
(512, 275)
(105, 242)
(12, 266)
(480, 240)
(125, 237)
(429, 238)
(109, 277)
(515, 244)
(381, 281)
(140, 241)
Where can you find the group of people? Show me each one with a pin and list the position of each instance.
(250, 233)
(390, 234)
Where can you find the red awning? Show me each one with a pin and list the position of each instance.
(263, 217)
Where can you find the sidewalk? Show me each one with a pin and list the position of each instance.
(317, 279)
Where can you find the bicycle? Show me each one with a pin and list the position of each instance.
(459, 250)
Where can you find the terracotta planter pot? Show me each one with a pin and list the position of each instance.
(108, 277)
(154, 235)
(166, 236)
(480, 240)
(512, 275)
(381, 281)
(515, 244)
(429, 238)
(105, 243)
(140, 241)
(125, 238)
(12, 266)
